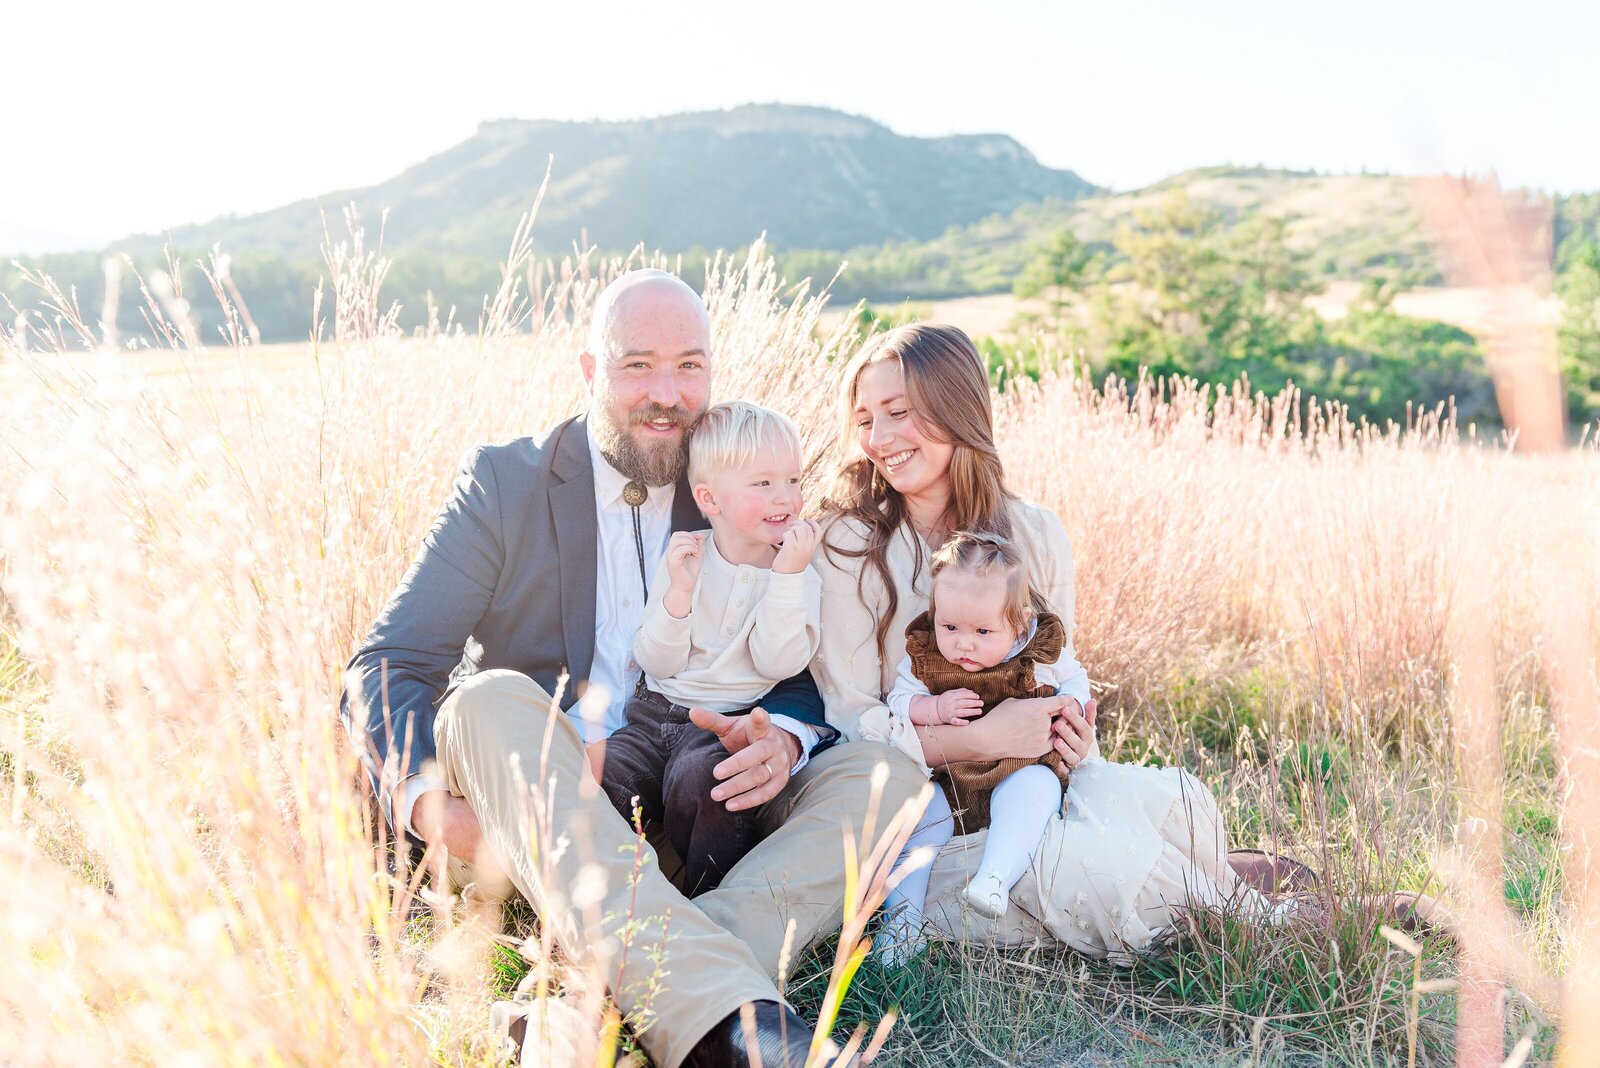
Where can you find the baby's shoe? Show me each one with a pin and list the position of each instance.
(987, 895)
(899, 939)
(895, 948)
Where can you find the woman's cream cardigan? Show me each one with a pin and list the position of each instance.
(854, 680)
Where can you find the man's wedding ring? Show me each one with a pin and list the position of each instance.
(770, 772)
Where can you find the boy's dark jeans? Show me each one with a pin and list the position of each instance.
(665, 761)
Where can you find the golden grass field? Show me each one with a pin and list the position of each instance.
(1378, 649)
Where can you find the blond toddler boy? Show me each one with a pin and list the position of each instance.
(738, 614)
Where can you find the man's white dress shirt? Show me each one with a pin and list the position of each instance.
(619, 600)
(619, 594)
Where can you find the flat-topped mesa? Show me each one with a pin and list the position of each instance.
(990, 146)
(746, 118)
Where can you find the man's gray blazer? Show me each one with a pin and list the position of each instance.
(505, 579)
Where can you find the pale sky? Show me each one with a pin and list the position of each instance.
(123, 117)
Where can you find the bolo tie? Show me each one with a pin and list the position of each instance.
(634, 494)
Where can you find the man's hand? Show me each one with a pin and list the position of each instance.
(799, 546)
(596, 752)
(761, 757)
(1072, 733)
(449, 827)
(447, 821)
(683, 567)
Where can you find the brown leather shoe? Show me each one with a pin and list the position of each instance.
(1273, 873)
(1414, 913)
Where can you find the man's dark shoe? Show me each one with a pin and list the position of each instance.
(782, 1040)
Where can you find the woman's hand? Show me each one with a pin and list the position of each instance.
(1072, 732)
(1021, 728)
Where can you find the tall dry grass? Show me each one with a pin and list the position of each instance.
(194, 538)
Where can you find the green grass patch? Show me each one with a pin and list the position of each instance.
(966, 1005)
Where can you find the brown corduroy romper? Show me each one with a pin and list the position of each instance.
(968, 783)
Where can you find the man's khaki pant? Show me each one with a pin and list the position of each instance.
(520, 764)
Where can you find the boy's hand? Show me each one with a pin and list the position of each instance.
(799, 545)
(683, 560)
(958, 706)
(683, 568)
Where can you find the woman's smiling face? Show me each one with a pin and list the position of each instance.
(890, 434)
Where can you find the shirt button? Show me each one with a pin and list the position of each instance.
(626, 603)
(745, 577)
(739, 603)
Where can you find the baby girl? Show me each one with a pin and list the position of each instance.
(985, 638)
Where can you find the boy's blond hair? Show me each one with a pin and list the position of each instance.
(730, 435)
(985, 555)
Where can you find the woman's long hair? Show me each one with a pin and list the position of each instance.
(947, 390)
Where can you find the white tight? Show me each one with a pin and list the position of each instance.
(1019, 810)
(902, 907)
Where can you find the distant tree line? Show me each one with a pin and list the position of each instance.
(1180, 293)
(278, 292)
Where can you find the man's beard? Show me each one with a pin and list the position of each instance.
(659, 465)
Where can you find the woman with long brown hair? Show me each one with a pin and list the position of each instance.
(1135, 843)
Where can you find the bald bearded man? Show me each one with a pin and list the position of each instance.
(534, 569)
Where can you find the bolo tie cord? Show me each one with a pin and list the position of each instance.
(638, 547)
(634, 495)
